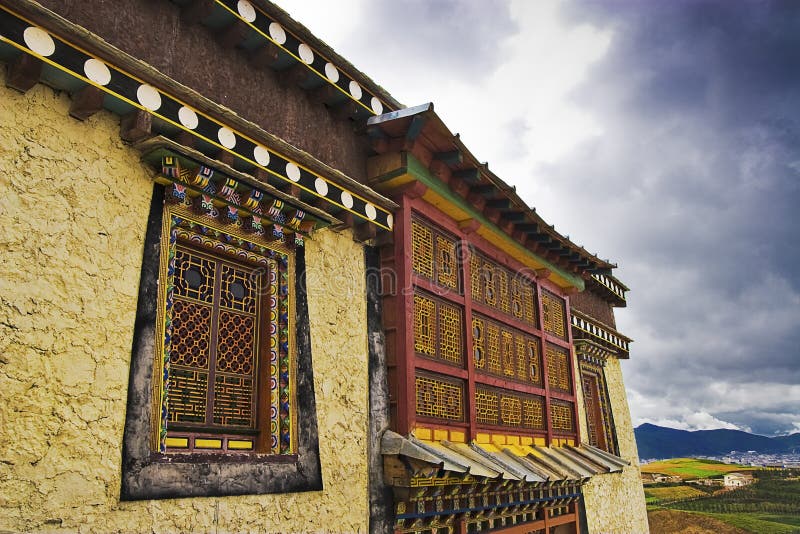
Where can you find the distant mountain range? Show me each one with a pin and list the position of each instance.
(660, 442)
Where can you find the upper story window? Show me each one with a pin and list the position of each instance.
(476, 360)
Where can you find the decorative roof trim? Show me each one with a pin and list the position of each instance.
(131, 93)
(600, 333)
(254, 15)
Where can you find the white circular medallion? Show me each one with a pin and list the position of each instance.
(332, 72)
(369, 209)
(355, 90)
(376, 105)
(188, 117)
(347, 200)
(261, 155)
(246, 10)
(149, 97)
(277, 33)
(226, 137)
(293, 172)
(39, 41)
(306, 54)
(321, 186)
(390, 221)
(97, 71)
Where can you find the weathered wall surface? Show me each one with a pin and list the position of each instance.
(615, 502)
(73, 209)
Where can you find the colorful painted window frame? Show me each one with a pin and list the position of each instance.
(228, 241)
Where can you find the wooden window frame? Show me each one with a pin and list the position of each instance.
(404, 362)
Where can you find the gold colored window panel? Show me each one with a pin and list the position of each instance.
(447, 267)
(561, 416)
(501, 407)
(553, 309)
(502, 282)
(558, 369)
(424, 325)
(505, 353)
(487, 406)
(493, 348)
(490, 284)
(476, 285)
(450, 333)
(440, 398)
(508, 353)
(478, 343)
(422, 249)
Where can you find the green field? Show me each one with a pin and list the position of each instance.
(690, 468)
(770, 505)
(671, 493)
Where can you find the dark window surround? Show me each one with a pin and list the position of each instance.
(150, 475)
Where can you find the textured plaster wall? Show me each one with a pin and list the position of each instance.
(73, 208)
(615, 501)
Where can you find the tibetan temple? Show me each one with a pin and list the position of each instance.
(246, 290)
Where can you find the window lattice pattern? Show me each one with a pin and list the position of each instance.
(233, 401)
(439, 397)
(450, 333)
(434, 255)
(505, 353)
(438, 329)
(191, 327)
(237, 292)
(553, 310)
(235, 336)
(499, 407)
(558, 369)
(561, 416)
(447, 266)
(194, 276)
(188, 392)
(422, 249)
(502, 289)
(424, 325)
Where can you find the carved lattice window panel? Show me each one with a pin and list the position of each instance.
(502, 289)
(561, 416)
(554, 318)
(501, 407)
(435, 255)
(225, 377)
(505, 352)
(212, 383)
(439, 397)
(558, 375)
(438, 329)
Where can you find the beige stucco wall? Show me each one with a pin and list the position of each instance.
(615, 501)
(73, 206)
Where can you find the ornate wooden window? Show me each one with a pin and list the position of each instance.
(599, 418)
(477, 360)
(225, 368)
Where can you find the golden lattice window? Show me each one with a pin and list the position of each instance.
(501, 407)
(438, 329)
(558, 375)
(504, 352)
(554, 314)
(434, 255)
(439, 397)
(561, 416)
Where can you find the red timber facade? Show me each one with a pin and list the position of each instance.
(481, 369)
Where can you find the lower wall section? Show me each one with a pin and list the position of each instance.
(73, 211)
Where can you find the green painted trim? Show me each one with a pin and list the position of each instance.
(421, 173)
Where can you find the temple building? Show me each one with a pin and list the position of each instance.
(245, 289)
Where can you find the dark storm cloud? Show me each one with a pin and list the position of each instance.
(697, 181)
(430, 32)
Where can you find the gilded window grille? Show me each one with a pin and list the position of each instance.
(450, 329)
(476, 284)
(561, 416)
(502, 290)
(501, 407)
(478, 343)
(553, 309)
(422, 249)
(505, 353)
(424, 325)
(439, 397)
(447, 269)
(490, 284)
(558, 369)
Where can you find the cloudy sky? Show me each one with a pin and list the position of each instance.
(664, 136)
